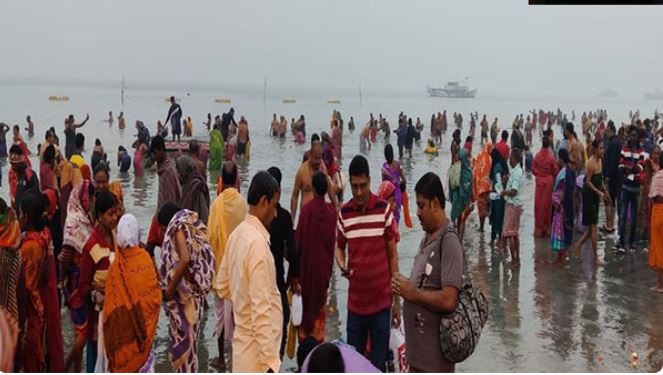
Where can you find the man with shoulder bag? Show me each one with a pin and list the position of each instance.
(442, 315)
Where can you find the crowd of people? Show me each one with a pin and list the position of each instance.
(67, 239)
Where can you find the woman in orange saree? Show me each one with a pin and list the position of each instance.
(131, 304)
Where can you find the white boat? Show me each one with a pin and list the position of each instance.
(453, 89)
(654, 95)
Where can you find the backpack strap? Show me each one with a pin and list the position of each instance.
(449, 229)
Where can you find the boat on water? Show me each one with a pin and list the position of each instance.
(58, 98)
(289, 101)
(654, 95)
(453, 89)
(333, 101)
(183, 145)
(222, 101)
(607, 94)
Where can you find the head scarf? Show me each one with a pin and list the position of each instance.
(128, 232)
(131, 303)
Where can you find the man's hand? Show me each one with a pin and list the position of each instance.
(403, 287)
(345, 272)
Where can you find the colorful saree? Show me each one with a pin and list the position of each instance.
(557, 232)
(482, 184)
(185, 310)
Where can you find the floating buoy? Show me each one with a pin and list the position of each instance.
(58, 98)
(333, 101)
(289, 101)
(167, 99)
(222, 101)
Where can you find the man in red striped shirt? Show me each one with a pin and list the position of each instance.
(364, 226)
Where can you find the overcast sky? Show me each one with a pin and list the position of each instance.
(502, 45)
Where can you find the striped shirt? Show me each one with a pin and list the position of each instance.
(633, 160)
(366, 235)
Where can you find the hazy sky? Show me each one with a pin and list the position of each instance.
(502, 45)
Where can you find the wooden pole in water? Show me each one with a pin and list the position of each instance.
(122, 92)
(264, 95)
(360, 95)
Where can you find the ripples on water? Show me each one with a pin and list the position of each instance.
(542, 318)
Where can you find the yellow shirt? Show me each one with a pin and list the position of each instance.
(227, 211)
(247, 277)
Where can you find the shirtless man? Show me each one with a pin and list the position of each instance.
(31, 127)
(337, 139)
(242, 137)
(120, 121)
(283, 127)
(275, 126)
(303, 180)
(110, 117)
(574, 148)
(364, 139)
(385, 128)
(70, 127)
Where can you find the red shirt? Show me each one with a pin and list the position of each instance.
(366, 235)
(503, 148)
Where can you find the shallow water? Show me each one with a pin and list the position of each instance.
(577, 319)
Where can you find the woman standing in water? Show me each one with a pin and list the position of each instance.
(187, 272)
(77, 229)
(98, 254)
(460, 188)
(593, 193)
(139, 155)
(561, 236)
(498, 171)
(131, 304)
(481, 184)
(31, 349)
(392, 172)
(40, 343)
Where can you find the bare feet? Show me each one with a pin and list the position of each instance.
(656, 289)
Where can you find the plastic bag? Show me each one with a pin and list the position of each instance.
(296, 310)
(397, 347)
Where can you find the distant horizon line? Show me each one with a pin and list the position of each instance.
(258, 86)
